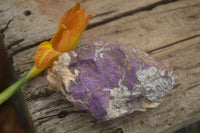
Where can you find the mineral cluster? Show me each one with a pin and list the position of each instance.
(110, 80)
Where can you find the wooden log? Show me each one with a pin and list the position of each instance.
(167, 29)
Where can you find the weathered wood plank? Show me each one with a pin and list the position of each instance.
(179, 109)
(148, 30)
(24, 31)
(170, 32)
(151, 29)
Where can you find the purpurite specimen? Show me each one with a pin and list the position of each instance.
(110, 80)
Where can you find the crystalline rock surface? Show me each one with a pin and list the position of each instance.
(110, 80)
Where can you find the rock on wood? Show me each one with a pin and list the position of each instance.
(110, 80)
(166, 29)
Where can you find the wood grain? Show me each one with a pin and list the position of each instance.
(169, 30)
(23, 31)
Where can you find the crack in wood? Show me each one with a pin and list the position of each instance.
(131, 12)
(46, 117)
(118, 130)
(174, 43)
(5, 28)
(193, 86)
(103, 14)
(179, 8)
(64, 113)
(176, 86)
(110, 129)
(33, 97)
(17, 42)
(26, 47)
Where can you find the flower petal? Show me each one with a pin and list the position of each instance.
(86, 21)
(45, 45)
(71, 38)
(64, 19)
(45, 55)
(61, 27)
(76, 19)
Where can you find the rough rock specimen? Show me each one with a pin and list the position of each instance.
(110, 80)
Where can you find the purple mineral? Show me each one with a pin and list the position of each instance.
(110, 80)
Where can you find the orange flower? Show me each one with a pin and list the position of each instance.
(70, 28)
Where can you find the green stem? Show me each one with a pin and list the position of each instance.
(7, 93)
